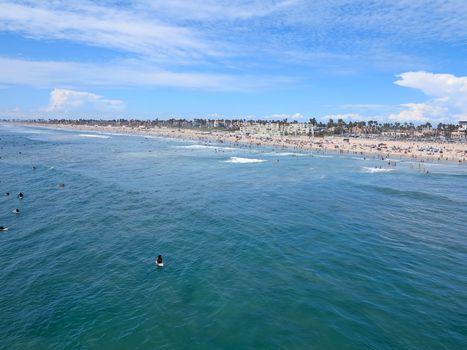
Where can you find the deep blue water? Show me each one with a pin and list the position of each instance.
(294, 252)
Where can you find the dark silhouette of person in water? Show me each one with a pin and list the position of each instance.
(20, 195)
(159, 260)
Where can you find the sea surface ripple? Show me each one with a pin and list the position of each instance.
(263, 249)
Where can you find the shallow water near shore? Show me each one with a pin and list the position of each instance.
(263, 248)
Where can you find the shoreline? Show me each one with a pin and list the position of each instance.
(366, 148)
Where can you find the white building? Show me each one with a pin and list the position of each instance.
(276, 129)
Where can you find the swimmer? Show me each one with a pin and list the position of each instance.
(159, 261)
(7, 194)
(2, 228)
(61, 185)
(20, 195)
(15, 211)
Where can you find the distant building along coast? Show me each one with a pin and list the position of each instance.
(280, 128)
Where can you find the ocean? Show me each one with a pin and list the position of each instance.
(263, 248)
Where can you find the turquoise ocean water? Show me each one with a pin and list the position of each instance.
(263, 248)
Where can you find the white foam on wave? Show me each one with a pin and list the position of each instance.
(240, 160)
(94, 136)
(116, 134)
(322, 156)
(376, 170)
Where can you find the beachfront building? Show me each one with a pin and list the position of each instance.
(398, 133)
(461, 132)
(275, 129)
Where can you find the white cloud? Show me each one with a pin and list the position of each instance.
(419, 112)
(213, 31)
(347, 117)
(393, 20)
(169, 32)
(446, 88)
(448, 97)
(116, 28)
(62, 100)
(123, 73)
(296, 116)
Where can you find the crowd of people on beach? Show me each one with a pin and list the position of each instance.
(416, 150)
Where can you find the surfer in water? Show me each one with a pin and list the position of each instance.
(20, 195)
(3, 228)
(15, 211)
(159, 261)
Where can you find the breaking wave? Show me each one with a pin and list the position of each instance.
(240, 160)
(376, 170)
(94, 136)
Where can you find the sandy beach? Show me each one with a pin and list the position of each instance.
(375, 147)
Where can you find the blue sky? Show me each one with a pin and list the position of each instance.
(389, 60)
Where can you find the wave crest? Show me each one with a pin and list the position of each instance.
(94, 136)
(240, 160)
(376, 170)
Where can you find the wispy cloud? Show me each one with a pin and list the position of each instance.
(122, 73)
(237, 45)
(218, 10)
(391, 20)
(123, 29)
(218, 31)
